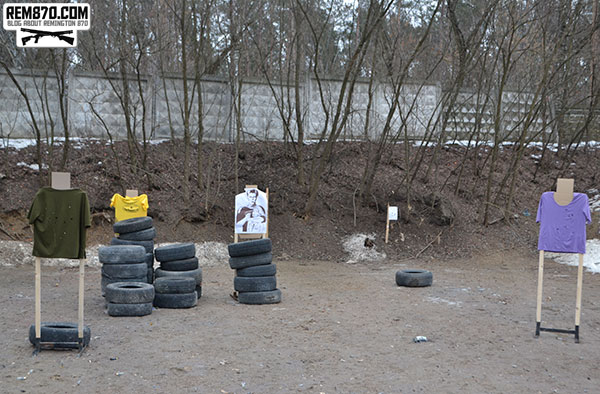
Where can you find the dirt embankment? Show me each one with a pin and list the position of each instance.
(337, 215)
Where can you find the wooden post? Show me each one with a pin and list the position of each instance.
(38, 298)
(387, 224)
(266, 235)
(579, 288)
(538, 315)
(81, 295)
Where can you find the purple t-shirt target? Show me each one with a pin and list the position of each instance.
(562, 227)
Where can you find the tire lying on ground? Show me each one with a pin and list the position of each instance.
(129, 309)
(142, 235)
(260, 297)
(258, 270)
(175, 301)
(249, 248)
(148, 245)
(129, 293)
(254, 283)
(132, 225)
(414, 278)
(59, 332)
(124, 271)
(121, 254)
(250, 261)
(174, 285)
(180, 265)
(178, 251)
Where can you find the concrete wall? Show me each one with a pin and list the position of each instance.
(261, 108)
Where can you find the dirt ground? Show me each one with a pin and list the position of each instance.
(340, 328)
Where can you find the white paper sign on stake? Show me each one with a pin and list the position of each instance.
(392, 213)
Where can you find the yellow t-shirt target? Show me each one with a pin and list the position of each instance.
(129, 207)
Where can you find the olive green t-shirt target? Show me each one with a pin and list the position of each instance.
(60, 219)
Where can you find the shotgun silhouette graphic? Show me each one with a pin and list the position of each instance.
(37, 34)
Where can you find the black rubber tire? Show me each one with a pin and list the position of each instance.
(250, 261)
(129, 293)
(258, 270)
(260, 297)
(254, 283)
(174, 285)
(196, 274)
(176, 301)
(175, 252)
(143, 235)
(107, 281)
(124, 271)
(60, 332)
(414, 278)
(180, 265)
(121, 254)
(249, 248)
(132, 225)
(150, 260)
(129, 309)
(148, 245)
(150, 275)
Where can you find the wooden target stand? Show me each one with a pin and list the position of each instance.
(243, 237)
(562, 196)
(60, 181)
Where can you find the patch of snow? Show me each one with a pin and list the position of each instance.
(159, 141)
(208, 253)
(16, 253)
(18, 143)
(591, 258)
(594, 199)
(34, 167)
(354, 245)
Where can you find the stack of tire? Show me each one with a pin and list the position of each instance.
(178, 261)
(137, 231)
(129, 298)
(175, 292)
(255, 281)
(122, 263)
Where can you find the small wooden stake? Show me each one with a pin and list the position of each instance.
(38, 298)
(387, 224)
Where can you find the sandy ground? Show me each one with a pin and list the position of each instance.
(343, 328)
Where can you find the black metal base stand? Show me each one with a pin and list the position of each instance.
(575, 332)
(39, 345)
